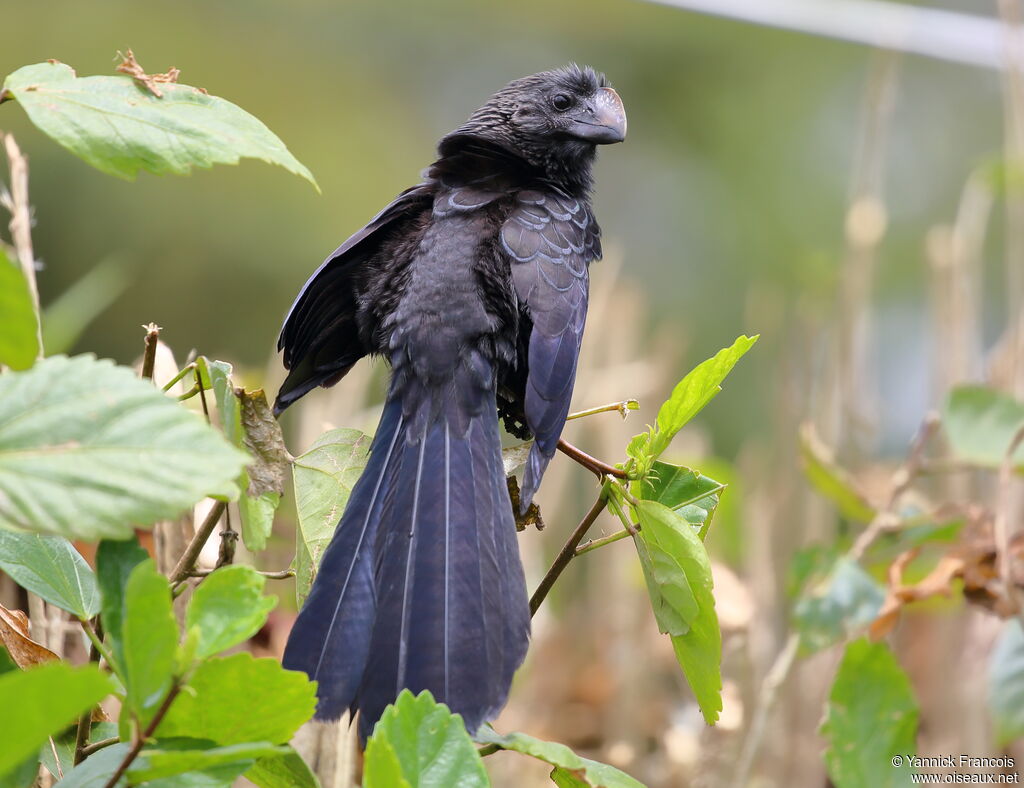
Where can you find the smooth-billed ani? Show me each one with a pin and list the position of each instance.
(473, 285)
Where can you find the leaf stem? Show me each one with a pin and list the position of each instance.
(97, 746)
(623, 409)
(566, 554)
(181, 373)
(133, 753)
(593, 544)
(98, 644)
(283, 574)
(187, 561)
(592, 464)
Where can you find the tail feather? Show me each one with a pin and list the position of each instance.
(422, 586)
(331, 638)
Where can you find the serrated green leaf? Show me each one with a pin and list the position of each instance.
(688, 492)
(89, 451)
(830, 479)
(323, 477)
(19, 342)
(150, 638)
(839, 605)
(570, 766)
(688, 398)
(52, 568)
(47, 698)
(980, 422)
(168, 758)
(1006, 683)
(96, 770)
(227, 608)
(231, 700)
(430, 744)
(115, 561)
(682, 575)
(285, 771)
(119, 127)
(870, 717)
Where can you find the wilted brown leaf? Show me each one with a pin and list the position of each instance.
(972, 559)
(130, 66)
(14, 635)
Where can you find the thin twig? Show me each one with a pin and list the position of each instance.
(592, 464)
(99, 745)
(85, 721)
(593, 544)
(16, 202)
(887, 518)
(133, 753)
(188, 559)
(773, 680)
(622, 408)
(149, 355)
(567, 553)
(56, 759)
(281, 575)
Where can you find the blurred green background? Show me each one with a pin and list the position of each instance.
(727, 200)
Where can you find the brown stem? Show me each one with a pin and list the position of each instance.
(85, 721)
(99, 745)
(188, 559)
(283, 574)
(592, 464)
(133, 753)
(149, 355)
(566, 554)
(17, 203)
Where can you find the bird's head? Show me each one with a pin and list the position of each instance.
(553, 120)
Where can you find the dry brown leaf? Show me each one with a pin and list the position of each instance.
(972, 559)
(14, 635)
(130, 66)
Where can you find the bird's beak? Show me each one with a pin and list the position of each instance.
(603, 122)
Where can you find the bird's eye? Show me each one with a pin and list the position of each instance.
(561, 102)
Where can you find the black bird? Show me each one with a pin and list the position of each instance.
(473, 285)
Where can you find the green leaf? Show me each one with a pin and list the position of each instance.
(6, 662)
(680, 572)
(688, 398)
(430, 744)
(830, 479)
(65, 747)
(839, 605)
(119, 127)
(870, 717)
(47, 699)
(115, 561)
(52, 568)
(228, 608)
(96, 770)
(249, 423)
(980, 422)
(89, 451)
(230, 700)
(285, 771)
(23, 775)
(690, 493)
(150, 636)
(19, 342)
(1006, 683)
(323, 478)
(178, 756)
(569, 765)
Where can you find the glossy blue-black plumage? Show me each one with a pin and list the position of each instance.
(473, 286)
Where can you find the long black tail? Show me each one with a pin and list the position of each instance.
(422, 586)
